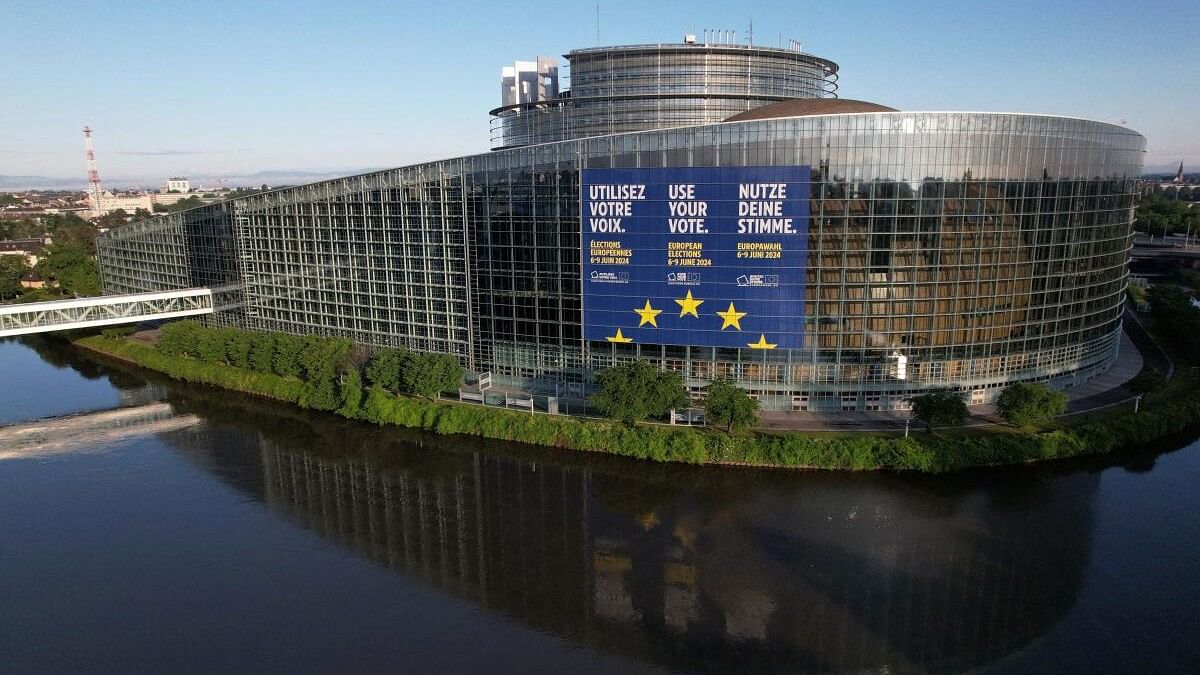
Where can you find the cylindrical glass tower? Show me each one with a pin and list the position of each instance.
(641, 87)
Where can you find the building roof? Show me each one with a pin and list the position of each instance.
(800, 107)
(27, 245)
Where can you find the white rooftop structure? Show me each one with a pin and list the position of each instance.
(529, 81)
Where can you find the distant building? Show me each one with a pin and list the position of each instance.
(169, 198)
(30, 248)
(177, 184)
(32, 280)
(128, 203)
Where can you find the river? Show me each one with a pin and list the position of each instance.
(235, 535)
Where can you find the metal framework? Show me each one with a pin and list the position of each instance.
(41, 317)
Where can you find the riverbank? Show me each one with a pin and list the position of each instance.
(1171, 411)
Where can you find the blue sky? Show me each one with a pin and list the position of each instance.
(241, 87)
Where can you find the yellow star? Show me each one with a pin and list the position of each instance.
(688, 305)
(731, 317)
(648, 313)
(621, 338)
(761, 344)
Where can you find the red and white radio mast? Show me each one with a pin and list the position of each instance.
(93, 174)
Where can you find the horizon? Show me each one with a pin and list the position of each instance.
(153, 102)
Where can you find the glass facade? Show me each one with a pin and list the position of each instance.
(636, 88)
(945, 249)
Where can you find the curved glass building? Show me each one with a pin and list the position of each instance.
(825, 254)
(639, 87)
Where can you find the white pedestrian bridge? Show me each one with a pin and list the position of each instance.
(107, 310)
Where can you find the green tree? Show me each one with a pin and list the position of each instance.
(237, 348)
(631, 392)
(428, 375)
(210, 345)
(943, 407)
(1026, 404)
(184, 204)
(72, 267)
(352, 394)
(287, 354)
(383, 370)
(1146, 382)
(71, 229)
(321, 359)
(1159, 214)
(179, 338)
(729, 406)
(262, 352)
(113, 219)
(1187, 277)
(12, 269)
(1175, 317)
(321, 394)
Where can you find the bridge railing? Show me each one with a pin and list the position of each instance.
(39, 317)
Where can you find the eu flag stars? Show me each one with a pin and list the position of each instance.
(689, 305)
(731, 317)
(619, 338)
(648, 315)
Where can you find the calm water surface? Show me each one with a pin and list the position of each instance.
(241, 536)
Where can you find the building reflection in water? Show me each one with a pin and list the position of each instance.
(686, 567)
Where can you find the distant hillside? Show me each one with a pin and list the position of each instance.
(20, 183)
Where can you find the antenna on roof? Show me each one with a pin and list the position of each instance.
(750, 34)
(597, 24)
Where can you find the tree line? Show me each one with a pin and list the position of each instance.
(331, 368)
(1159, 215)
(69, 262)
(636, 391)
(338, 375)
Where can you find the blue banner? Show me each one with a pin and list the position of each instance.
(702, 256)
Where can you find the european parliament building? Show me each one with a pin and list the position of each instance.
(711, 208)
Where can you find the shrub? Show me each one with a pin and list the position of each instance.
(384, 368)
(1146, 382)
(117, 332)
(319, 395)
(322, 357)
(179, 338)
(943, 407)
(427, 375)
(352, 394)
(287, 354)
(210, 345)
(237, 348)
(262, 352)
(1026, 404)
